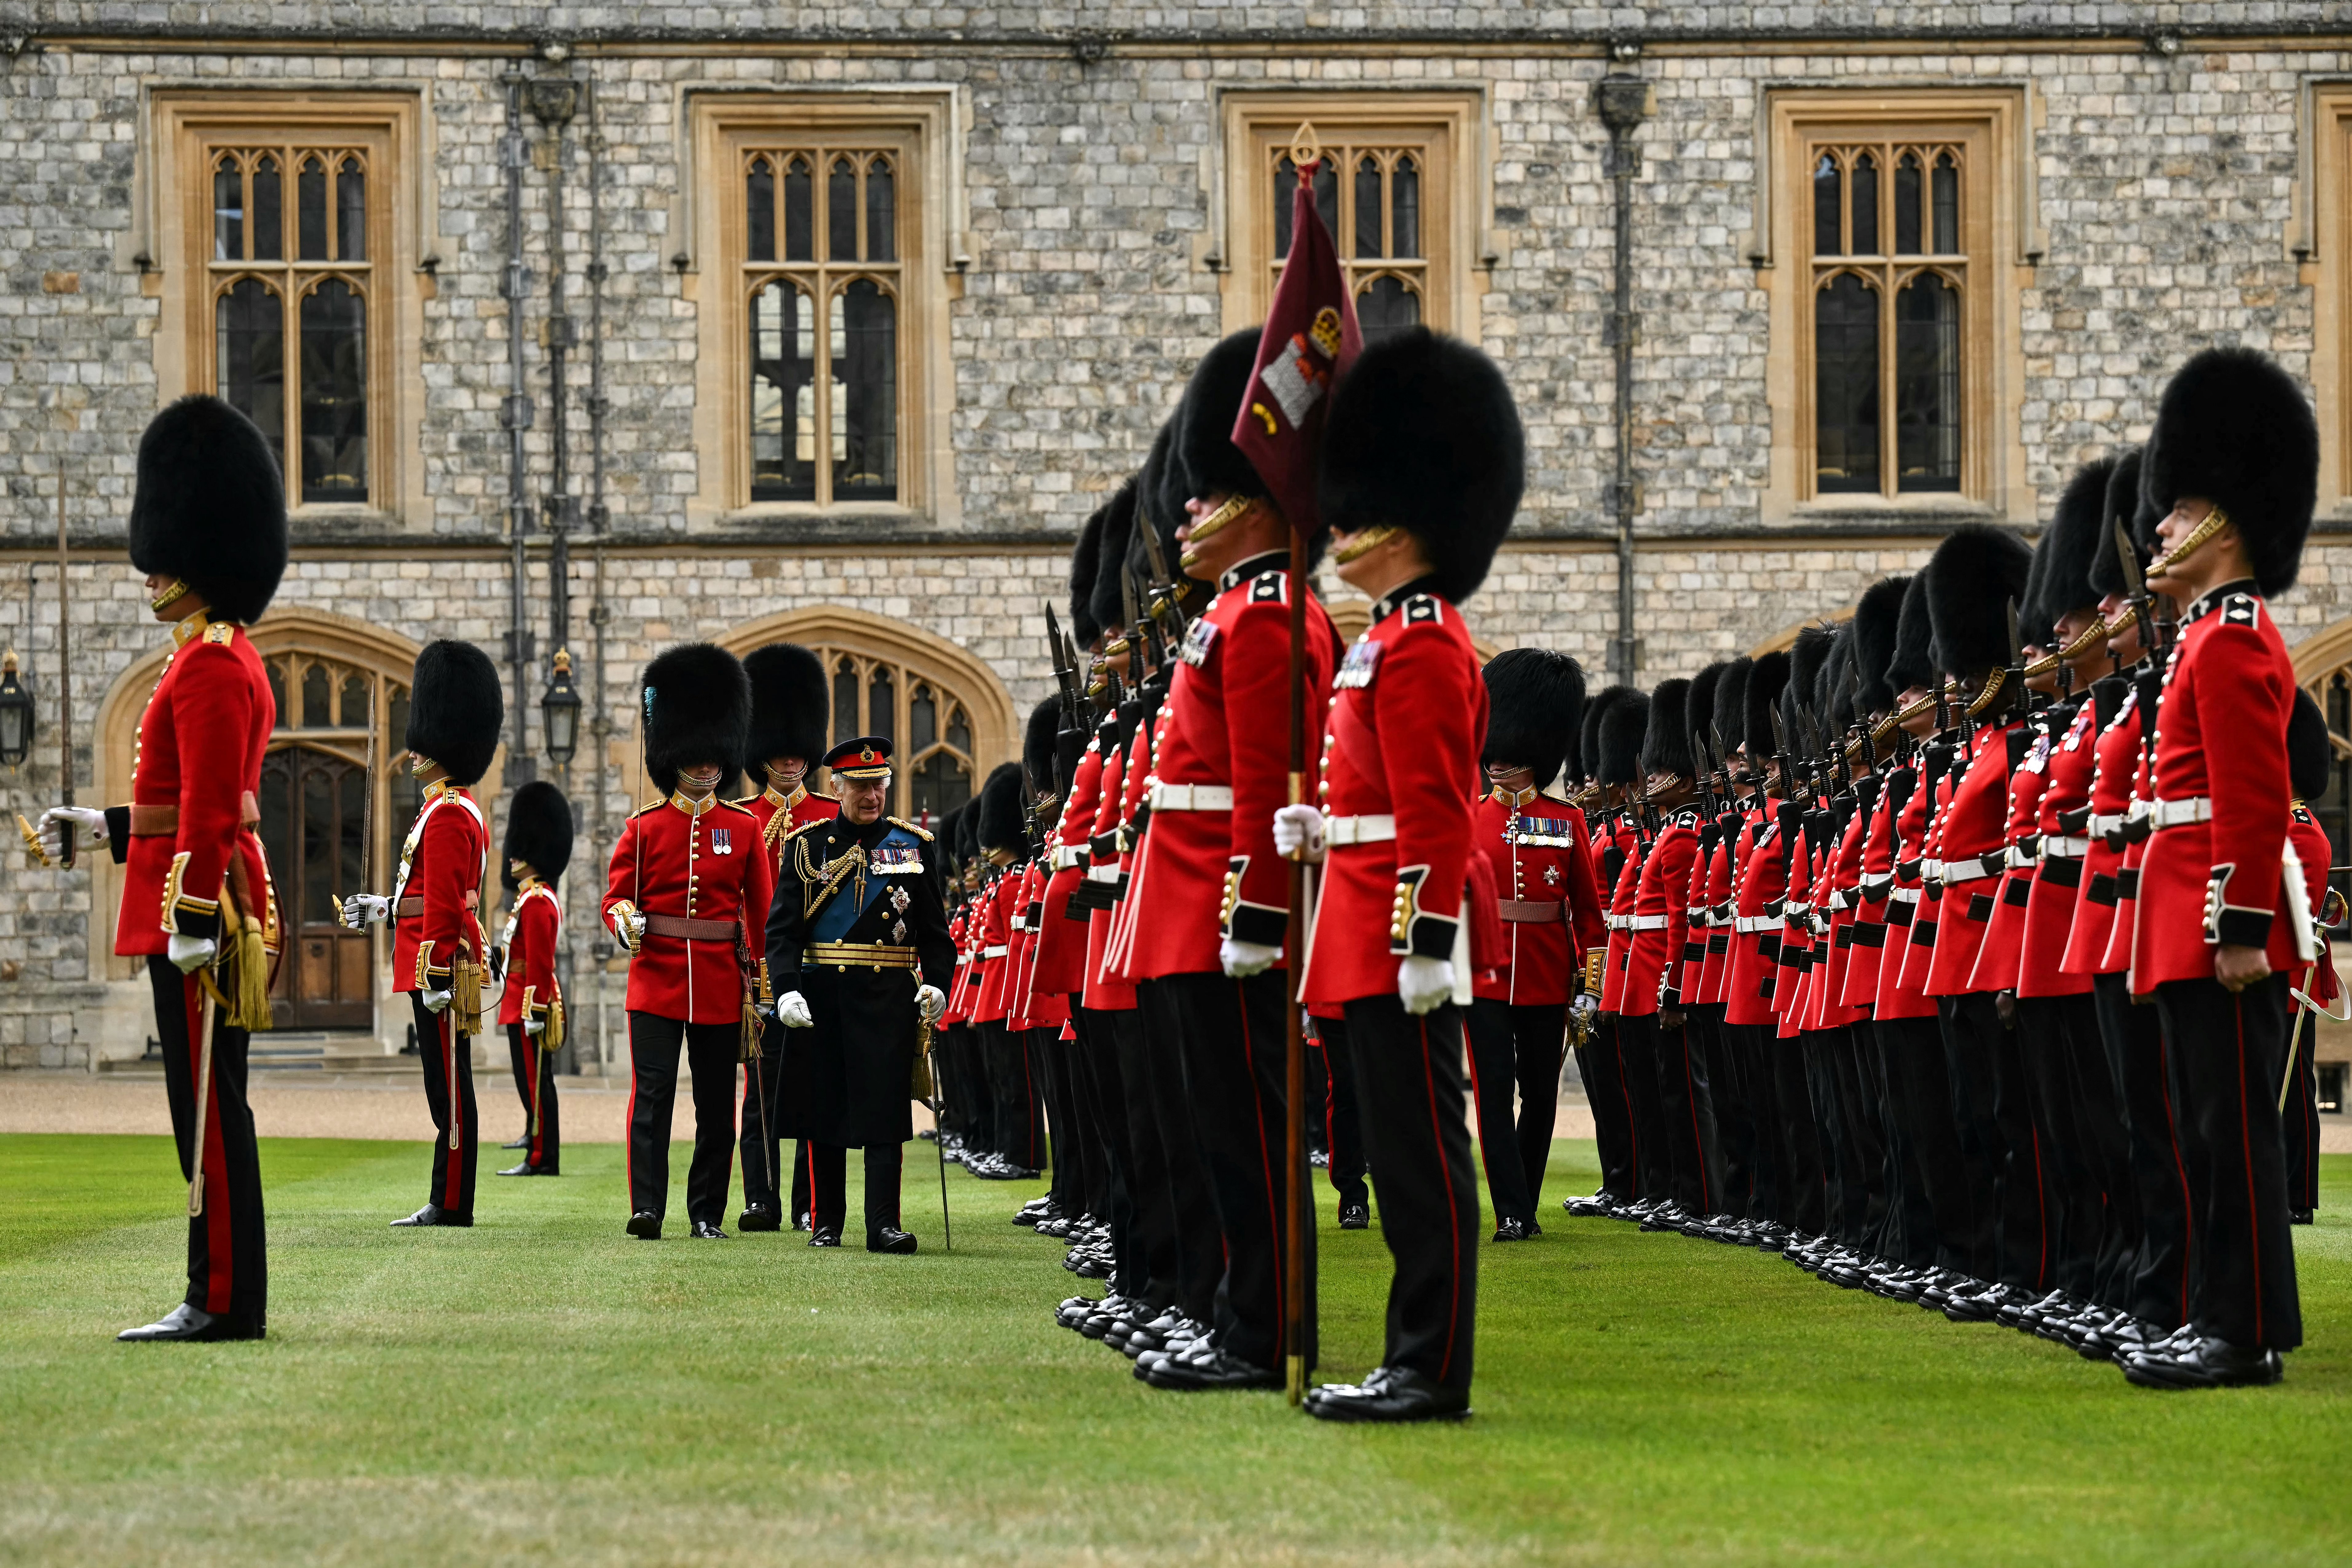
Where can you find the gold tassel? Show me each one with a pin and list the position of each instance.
(551, 1039)
(466, 1003)
(251, 1010)
(748, 1041)
(918, 1080)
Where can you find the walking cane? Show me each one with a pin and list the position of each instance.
(939, 1125)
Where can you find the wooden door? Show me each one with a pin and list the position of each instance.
(313, 823)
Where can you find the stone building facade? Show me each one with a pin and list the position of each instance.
(1082, 207)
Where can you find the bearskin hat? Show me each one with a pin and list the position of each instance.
(2234, 429)
(1767, 679)
(1423, 434)
(1971, 579)
(1587, 755)
(965, 834)
(209, 507)
(1002, 820)
(1833, 686)
(1701, 705)
(2310, 756)
(1875, 617)
(1037, 746)
(1666, 738)
(1807, 656)
(789, 701)
(455, 709)
(1727, 720)
(696, 705)
(2124, 504)
(1535, 702)
(1912, 663)
(1623, 728)
(1212, 465)
(539, 831)
(1085, 561)
(1160, 492)
(1114, 559)
(2077, 536)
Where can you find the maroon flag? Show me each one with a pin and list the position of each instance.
(1311, 338)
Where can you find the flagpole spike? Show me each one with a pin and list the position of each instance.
(1305, 151)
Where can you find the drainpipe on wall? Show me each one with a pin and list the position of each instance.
(1624, 102)
(515, 416)
(600, 725)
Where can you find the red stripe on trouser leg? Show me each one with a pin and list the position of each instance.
(1478, 1098)
(1265, 1172)
(211, 1159)
(2246, 1149)
(1698, 1145)
(1453, 1209)
(452, 1187)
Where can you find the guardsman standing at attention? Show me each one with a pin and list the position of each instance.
(686, 892)
(789, 703)
(530, 1003)
(438, 948)
(208, 529)
(1422, 463)
(859, 955)
(2221, 921)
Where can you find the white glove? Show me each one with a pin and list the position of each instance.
(534, 1026)
(792, 1011)
(88, 819)
(1586, 1002)
(1244, 959)
(362, 911)
(1298, 832)
(437, 1000)
(931, 1002)
(630, 926)
(1425, 984)
(189, 954)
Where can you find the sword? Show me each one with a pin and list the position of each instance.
(212, 1006)
(938, 1122)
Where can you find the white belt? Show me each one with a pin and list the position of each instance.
(1106, 873)
(2018, 858)
(1795, 911)
(1192, 797)
(2107, 823)
(1645, 922)
(1748, 925)
(999, 951)
(1873, 884)
(2180, 813)
(2138, 809)
(1376, 829)
(1905, 895)
(1931, 870)
(1067, 855)
(1954, 872)
(2064, 849)
(1839, 903)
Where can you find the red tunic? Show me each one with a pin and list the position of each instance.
(1902, 978)
(1551, 904)
(1661, 917)
(1973, 852)
(778, 814)
(997, 907)
(202, 737)
(2312, 847)
(1105, 868)
(2115, 768)
(533, 926)
(1408, 716)
(1756, 935)
(1716, 893)
(1060, 967)
(2058, 875)
(960, 988)
(700, 861)
(2229, 690)
(1836, 911)
(1624, 892)
(1864, 933)
(1998, 956)
(442, 863)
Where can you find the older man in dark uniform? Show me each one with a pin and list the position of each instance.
(859, 957)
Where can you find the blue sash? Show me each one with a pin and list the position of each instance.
(895, 852)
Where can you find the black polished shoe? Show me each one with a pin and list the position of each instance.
(1355, 1216)
(889, 1239)
(646, 1225)
(1665, 1216)
(1511, 1229)
(703, 1230)
(2298, 1217)
(825, 1235)
(2206, 1362)
(526, 1169)
(1214, 1368)
(192, 1324)
(1390, 1393)
(431, 1214)
(521, 1142)
(1592, 1205)
(801, 1220)
(759, 1216)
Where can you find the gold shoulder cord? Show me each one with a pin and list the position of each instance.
(817, 883)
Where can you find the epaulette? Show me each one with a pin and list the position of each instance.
(650, 806)
(2237, 610)
(221, 632)
(1423, 607)
(795, 832)
(923, 834)
(734, 805)
(1270, 586)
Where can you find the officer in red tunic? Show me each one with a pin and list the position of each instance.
(686, 893)
(2311, 763)
(1550, 903)
(1599, 1062)
(2221, 925)
(1422, 468)
(1218, 894)
(788, 704)
(439, 950)
(209, 530)
(530, 1003)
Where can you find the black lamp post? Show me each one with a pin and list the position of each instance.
(16, 715)
(559, 712)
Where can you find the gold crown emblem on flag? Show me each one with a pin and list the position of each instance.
(1325, 332)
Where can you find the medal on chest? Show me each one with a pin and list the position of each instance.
(1355, 669)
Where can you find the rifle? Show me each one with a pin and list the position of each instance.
(1167, 588)
(1070, 739)
(1702, 770)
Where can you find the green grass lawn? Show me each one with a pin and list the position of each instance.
(544, 1389)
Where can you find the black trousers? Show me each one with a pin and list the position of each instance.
(1200, 1245)
(228, 1255)
(1342, 1125)
(1234, 1044)
(828, 1185)
(1018, 1122)
(1747, 1068)
(2098, 1212)
(1735, 1130)
(1938, 1218)
(1147, 1270)
(1093, 1058)
(1601, 1068)
(1683, 1146)
(2133, 1033)
(1515, 1048)
(1066, 1150)
(2072, 1205)
(758, 1150)
(1972, 1060)
(961, 1105)
(448, 1058)
(1409, 1073)
(1637, 1053)
(2228, 1053)
(711, 1052)
(535, 1079)
(1804, 1181)
(2301, 1118)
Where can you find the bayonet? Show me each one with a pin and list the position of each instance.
(2134, 587)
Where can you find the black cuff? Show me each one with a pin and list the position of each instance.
(1260, 923)
(205, 924)
(2243, 927)
(118, 832)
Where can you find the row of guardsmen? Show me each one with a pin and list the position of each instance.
(1968, 952)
